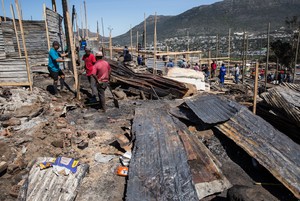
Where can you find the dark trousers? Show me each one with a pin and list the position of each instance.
(101, 93)
(92, 82)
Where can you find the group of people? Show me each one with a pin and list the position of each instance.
(97, 71)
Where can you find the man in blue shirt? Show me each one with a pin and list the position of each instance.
(53, 66)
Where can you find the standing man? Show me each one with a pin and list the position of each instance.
(236, 73)
(213, 69)
(101, 72)
(222, 74)
(53, 67)
(89, 61)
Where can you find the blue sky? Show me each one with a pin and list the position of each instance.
(117, 14)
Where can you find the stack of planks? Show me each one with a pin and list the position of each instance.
(2, 46)
(151, 85)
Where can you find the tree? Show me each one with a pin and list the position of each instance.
(283, 52)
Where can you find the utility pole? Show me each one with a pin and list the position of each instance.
(268, 53)
(86, 24)
(71, 46)
(110, 42)
(137, 41)
(145, 30)
(229, 48)
(296, 55)
(54, 5)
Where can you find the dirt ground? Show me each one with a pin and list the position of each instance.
(50, 126)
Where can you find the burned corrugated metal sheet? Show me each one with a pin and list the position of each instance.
(158, 169)
(212, 109)
(284, 100)
(271, 148)
(2, 49)
(13, 71)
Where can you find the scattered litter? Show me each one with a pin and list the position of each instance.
(122, 171)
(101, 158)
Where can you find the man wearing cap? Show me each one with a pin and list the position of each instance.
(55, 72)
(89, 60)
(101, 72)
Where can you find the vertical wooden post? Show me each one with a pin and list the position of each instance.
(15, 28)
(268, 53)
(24, 44)
(77, 27)
(145, 32)
(102, 32)
(255, 87)
(110, 43)
(54, 5)
(296, 56)
(3, 8)
(46, 26)
(131, 40)
(98, 37)
(208, 61)
(137, 41)
(81, 19)
(243, 57)
(217, 46)
(155, 47)
(86, 24)
(229, 48)
(72, 46)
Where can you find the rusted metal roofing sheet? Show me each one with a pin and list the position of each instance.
(212, 109)
(158, 169)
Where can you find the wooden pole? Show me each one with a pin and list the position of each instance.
(217, 46)
(86, 24)
(229, 48)
(268, 53)
(81, 15)
(3, 8)
(102, 32)
(145, 32)
(24, 44)
(54, 5)
(155, 47)
(46, 26)
(72, 46)
(110, 43)
(255, 87)
(131, 40)
(77, 27)
(137, 41)
(15, 28)
(243, 58)
(98, 37)
(296, 56)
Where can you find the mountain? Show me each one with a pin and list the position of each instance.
(217, 18)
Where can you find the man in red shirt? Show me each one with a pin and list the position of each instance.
(101, 72)
(89, 60)
(213, 69)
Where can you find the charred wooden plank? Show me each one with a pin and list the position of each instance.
(145, 82)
